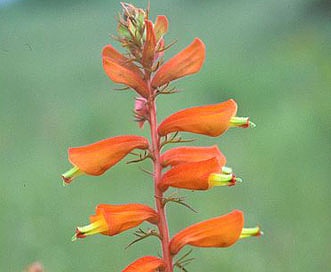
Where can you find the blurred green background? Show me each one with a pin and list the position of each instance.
(272, 57)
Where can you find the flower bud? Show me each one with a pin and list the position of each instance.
(131, 26)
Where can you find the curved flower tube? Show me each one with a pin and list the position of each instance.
(96, 158)
(122, 70)
(114, 219)
(210, 120)
(146, 264)
(185, 154)
(160, 26)
(222, 231)
(201, 175)
(110, 52)
(186, 62)
(149, 46)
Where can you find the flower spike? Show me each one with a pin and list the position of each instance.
(114, 219)
(146, 264)
(143, 69)
(201, 175)
(221, 231)
(187, 62)
(96, 158)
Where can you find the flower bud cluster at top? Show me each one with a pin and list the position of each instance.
(143, 70)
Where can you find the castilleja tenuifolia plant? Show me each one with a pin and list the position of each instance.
(142, 69)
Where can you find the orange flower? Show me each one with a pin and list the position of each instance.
(110, 52)
(200, 175)
(160, 26)
(122, 70)
(149, 46)
(96, 158)
(146, 264)
(185, 154)
(221, 231)
(210, 120)
(114, 219)
(186, 62)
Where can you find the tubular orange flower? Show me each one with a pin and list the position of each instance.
(149, 46)
(221, 231)
(211, 120)
(123, 71)
(186, 62)
(160, 26)
(110, 52)
(200, 175)
(185, 154)
(114, 219)
(146, 264)
(96, 158)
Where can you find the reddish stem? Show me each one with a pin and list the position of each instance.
(163, 224)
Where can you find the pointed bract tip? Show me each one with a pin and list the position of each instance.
(251, 124)
(237, 179)
(74, 238)
(64, 182)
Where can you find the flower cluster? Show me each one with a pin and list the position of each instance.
(143, 70)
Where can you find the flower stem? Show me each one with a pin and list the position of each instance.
(155, 149)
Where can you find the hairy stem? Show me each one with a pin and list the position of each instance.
(163, 224)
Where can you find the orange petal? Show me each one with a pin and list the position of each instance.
(221, 231)
(120, 73)
(114, 219)
(186, 62)
(146, 264)
(210, 120)
(149, 46)
(96, 158)
(185, 154)
(110, 52)
(123, 217)
(191, 176)
(161, 26)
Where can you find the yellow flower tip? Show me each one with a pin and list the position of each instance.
(223, 179)
(242, 122)
(78, 235)
(250, 232)
(237, 179)
(226, 170)
(98, 226)
(70, 175)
